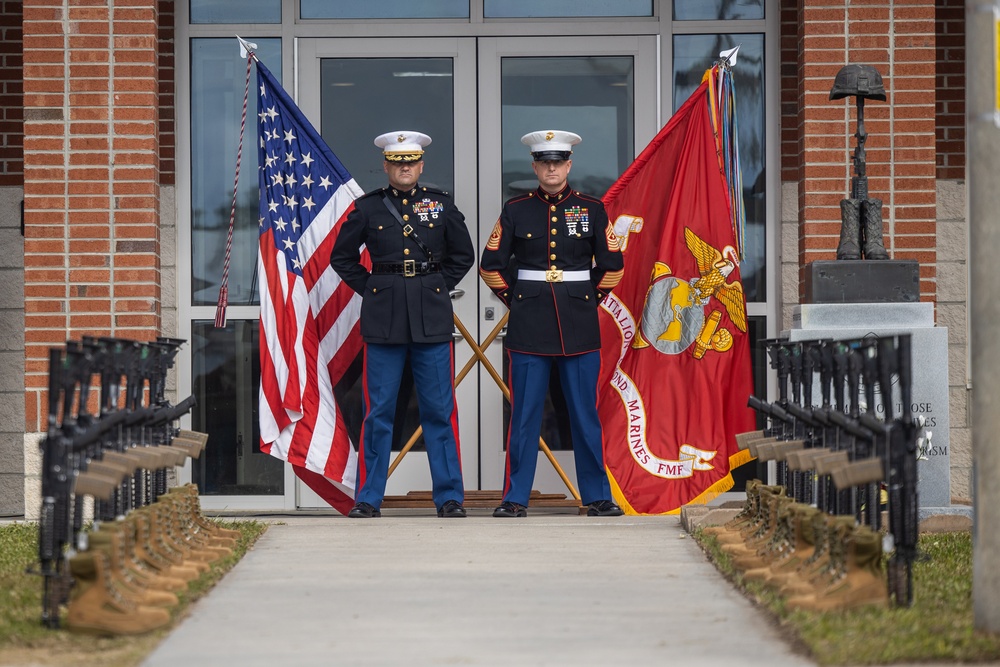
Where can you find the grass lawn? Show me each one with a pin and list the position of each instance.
(25, 641)
(938, 627)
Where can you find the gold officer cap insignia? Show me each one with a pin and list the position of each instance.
(549, 136)
(401, 138)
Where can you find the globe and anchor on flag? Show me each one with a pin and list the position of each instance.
(674, 314)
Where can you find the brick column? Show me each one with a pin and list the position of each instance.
(898, 39)
(91, 179)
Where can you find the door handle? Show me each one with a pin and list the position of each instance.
(456, 293)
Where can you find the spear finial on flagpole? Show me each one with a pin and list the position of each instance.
(247, 48)
(728, 57)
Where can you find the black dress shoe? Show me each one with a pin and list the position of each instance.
(364, 511)
(603, 508)
(509, 509)
(451, 509)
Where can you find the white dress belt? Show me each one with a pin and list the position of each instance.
(553, 276)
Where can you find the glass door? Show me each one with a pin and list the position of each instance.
(605, 90)
(601, 88)
(354, 90)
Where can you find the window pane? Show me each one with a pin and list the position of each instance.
(365, 97)
(385, 9)
(233, 11)
(226, 379)
(692, 10)
(542, 8)
(218, 75)
(693, 54)
(591, 96)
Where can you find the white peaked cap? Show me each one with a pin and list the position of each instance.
(402, 145)
(551, 144)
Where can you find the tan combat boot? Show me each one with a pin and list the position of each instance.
(109, 540)
(168, 517)
(161, 524)
(799, 582)
(225, 536)
(185, 511)
(781, 544)
(761, 503)
(99, 606)
(153, 577)
(759, 538)
(802, 548)
(860, 583)
(745, 515)
(157, 545)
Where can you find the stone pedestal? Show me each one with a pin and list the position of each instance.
(862, 281)
(844, 321)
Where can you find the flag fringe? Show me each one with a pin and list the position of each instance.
(722, 109)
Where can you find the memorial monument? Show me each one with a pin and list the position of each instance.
(864, 294)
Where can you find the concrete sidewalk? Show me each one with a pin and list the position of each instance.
(413, 590)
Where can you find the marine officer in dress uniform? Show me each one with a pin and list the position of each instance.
(551, 258)
(420, 249)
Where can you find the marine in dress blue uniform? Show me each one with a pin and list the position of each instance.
(420, 249)
(551, 258)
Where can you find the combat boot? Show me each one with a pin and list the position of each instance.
(185, 535)
(831, 566)
(780, 544)
(153, 577)
(226, 537)
(765, 532)
(745, 515)
(850, 229)
(149, 555)
(798, 581)
(162, 544)
(162, 523)
(99, 606)
(761, 503)
(860, 583)
(802, 547)
(187, 513)
(871, 214)
(110, 541)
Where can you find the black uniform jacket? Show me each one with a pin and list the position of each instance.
(397, 308)
(538, 231)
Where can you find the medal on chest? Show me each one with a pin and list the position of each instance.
(577, 216)
(427, 209)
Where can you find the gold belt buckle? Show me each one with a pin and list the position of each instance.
(553, 276)
(409, 268)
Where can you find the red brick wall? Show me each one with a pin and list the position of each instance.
(950, 93)
(789, 73)
(11, 101)
(899, 41)
(91, 177)
(165, 68)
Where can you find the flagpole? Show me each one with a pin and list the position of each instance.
(220, 309)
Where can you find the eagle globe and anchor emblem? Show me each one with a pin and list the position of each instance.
(674, 315)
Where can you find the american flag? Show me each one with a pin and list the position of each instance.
(308, 316)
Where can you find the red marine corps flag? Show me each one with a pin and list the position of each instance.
(676, 356)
